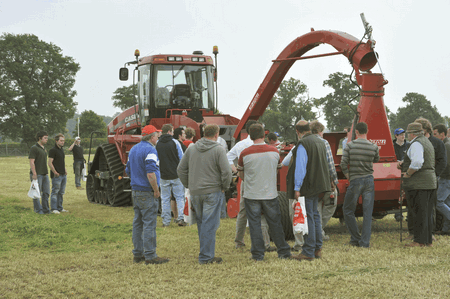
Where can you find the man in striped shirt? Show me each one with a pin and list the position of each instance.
(357, 165)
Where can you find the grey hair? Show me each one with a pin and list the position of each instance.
(148, 137)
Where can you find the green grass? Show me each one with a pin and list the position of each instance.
(87, 254)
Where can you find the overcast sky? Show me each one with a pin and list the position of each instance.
(411, 35)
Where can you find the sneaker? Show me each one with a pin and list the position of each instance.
(318, 253)
(433, 238)
(80, 188)
(64, 211)
(295, 249)
(138, 260)
(271, 249)
(182, 223)
(214, 260)
(55, 212)
(157, 261)
(325, 238)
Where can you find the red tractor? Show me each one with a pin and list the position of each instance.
(176, 89)
(371, 110)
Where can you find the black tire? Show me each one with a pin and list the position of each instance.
(439, 221)
(90, 188)
(285, 218)
(98, 196)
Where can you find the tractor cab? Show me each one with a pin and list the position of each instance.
(173, 84)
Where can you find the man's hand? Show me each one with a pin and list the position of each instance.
(399, 165)
(297, 195)
(34, 176)
(156, 193)
(233, 168)
(56, 174)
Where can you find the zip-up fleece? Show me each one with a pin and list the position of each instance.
(204, 168)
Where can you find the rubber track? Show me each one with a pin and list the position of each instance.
(116, 169)
(285, 219)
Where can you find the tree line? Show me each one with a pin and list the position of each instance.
(36, 92)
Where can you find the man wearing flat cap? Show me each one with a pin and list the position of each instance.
(419, 181)
(143, 170)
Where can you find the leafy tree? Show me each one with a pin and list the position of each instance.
(289, 105)
(89, 122)
(124, 97)
(36, 83)
(338, 107)
(417, 106)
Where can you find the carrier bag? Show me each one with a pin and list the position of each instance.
(83, 173)
(300, 222)
(189, 214)
(34, 190)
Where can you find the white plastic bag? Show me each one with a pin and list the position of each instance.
(189, 214)
(34, 190)
(300, 221)
(83, 173)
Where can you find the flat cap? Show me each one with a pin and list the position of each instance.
(414, 128)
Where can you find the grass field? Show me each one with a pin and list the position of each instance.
(87, 254)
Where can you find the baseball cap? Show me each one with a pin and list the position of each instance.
(149, 129)
(399, 131)
(77, 138)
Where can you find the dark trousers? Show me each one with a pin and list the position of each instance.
(420, 207)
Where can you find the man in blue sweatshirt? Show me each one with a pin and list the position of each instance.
(143, 170)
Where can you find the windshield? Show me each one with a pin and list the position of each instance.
(183, 86)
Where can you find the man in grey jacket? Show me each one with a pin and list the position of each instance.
(204, 169)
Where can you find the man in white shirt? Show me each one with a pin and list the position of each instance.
(241, 221)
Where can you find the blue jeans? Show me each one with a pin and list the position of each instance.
(167, 188)
(313, 240)
(443, 202)
(207, 209)
(77, 169)
(361, 186)
(58, 190)
(44, 188)
(271, 210)
(223, 211)
(144, 224)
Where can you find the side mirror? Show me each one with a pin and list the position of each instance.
(123, 74)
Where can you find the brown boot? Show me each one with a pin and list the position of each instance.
(318, 253)
(80, 188)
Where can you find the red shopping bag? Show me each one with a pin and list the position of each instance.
(300, 222)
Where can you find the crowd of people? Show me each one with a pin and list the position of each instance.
(168, 162)
(55, 160)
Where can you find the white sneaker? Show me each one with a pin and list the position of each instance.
(55, 212)
(64, 211)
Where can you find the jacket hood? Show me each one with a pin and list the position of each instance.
(165, 138)
(204, 144)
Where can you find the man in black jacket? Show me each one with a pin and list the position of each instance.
(443, 192)
(170, 154)
(400, 144)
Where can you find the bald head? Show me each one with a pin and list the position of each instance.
(302, 127)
